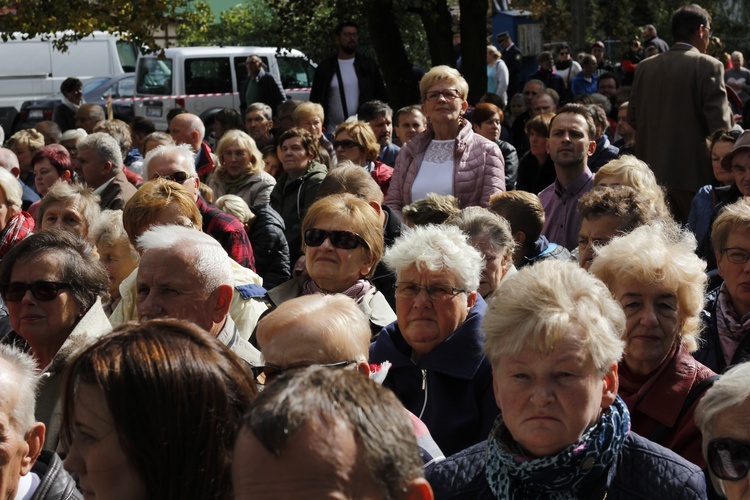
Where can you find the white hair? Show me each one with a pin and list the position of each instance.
(209, 259)
(109, 230)
(8, 159)
(185, 156)
(12, 189)
(74, 133)
(105, 146)
(437, 248)
(23, 376)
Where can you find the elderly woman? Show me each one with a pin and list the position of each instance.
(720, 416)
(70, 139)
(52, 289)
(356, 142)
(119, 451)
(630, 171)
(448, 157)
(725, 338)
(553, 338)
(296, 188)
(25, 144)
(116, 254)
(536, 170)
(491, 235)
(438, 371)
(343, 245)
(487, 120)
(70, 207)
(51, 164)
(310, 116)
(15, 224)
(242, 170)
(658, 280)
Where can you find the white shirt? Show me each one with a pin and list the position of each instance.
(436, 173)
(335, 114)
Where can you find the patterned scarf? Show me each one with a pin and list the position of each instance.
(356, 291)
(571, 474)
(20, 226)
(732, 329)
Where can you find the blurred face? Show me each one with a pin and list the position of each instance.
(96, 455)
(425, 322)
(94, 169)
(611, 180)
(383, 128)
(598, 53)
(530, 90)
(607, 87)
(623, 127)
(294, 157)
(349, 149)
(443, 104)
(736, 62)
(336, 269)
(741, 171)
(718, 152)
(253, 65)
(495, 266)
(490, 128)
(272, 165)
(71, 146)
(235, 160)
(347, 40)
(6, 212)
(47, 176)
(653, 323)
(546, 64)
(538, 144)
(543, 103)
(66, 217)
(517, 108)
(76, 95)
(563, 55)
(43, 324)
(257, 126)
(409, 126)
(736, 276)
(569, 144)
(16, 455)
(595, 233)
(734, 423)
(549, 399)
(24, 155)
(86, 119)
(312, 124)
(119, 263)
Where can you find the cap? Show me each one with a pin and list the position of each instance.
(597, 43)
(741, 144)
(503, 36)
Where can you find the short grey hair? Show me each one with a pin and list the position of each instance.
(109, 230)
(437, 248)
(12, 189)
(74, 133)
(105, 146)
(263, 108)
(25, 380)
(478, 222)
(83, 196)
(209, 259)
(183, 151)
(8, 159)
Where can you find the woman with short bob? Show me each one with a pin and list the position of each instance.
(720, 416)
(438, 371)
(197, 392)
(356, 142)
(15, 224)
(70, 207)
(311, 116)
(242, 171)
(628, 170)
(448, 157)
(343, 243)
(51, 164)
(658, 280)
(554, 340)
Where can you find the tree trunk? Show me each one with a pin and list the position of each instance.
(436, 19)
(474, 46)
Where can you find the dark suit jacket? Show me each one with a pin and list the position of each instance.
(119, 191)
(678, 100)
(513, 59)
(271, 92)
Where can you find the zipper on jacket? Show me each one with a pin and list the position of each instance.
(424, 388)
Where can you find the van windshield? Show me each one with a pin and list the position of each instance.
(128, 55)
(296, 72)
(154, 76)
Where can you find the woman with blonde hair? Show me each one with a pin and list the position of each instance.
(356, 142)
(628, 170)
(497, 74)
(242, 171)
(310, 116)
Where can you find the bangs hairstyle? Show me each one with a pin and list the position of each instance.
(57, 156)
(734, 217)
(245, 143)
(306, 110)
(181, 447)
(439, 74)
(349, 208)
(362, 134)
(659, 254)
(484, 111)
(537, 307)
(308, 141)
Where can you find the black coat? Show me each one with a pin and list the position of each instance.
(271, 92)
(710, 353)
(270, 247)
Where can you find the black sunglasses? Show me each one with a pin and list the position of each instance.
(728, 459)
(266, 374)
(340, 239)
(179, 177)
(40, 290)
(346, 144)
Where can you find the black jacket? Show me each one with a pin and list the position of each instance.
(643, 470)
(271, 92)
(270, 247)
(385, 279)
(511, 164)
(710, 353)
(56, 483)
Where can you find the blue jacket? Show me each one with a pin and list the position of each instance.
(450, 388)
(579, 85)
(643, 470)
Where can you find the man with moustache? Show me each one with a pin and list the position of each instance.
(380, 117)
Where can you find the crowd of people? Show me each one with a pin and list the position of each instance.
(544, 294)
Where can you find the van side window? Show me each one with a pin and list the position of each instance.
(296, 72)
(154, 76)
(208, 75)
(128, 54)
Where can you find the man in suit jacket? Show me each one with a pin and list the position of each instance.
(99, 162)
(678, 100)
(513, 59)
(260, 86)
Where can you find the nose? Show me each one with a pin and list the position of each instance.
(541, 394)
(73, 462)
(148, 308)
(648, 318)
(422, 299)
(327, 245)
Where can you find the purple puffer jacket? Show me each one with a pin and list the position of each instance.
(479, 170)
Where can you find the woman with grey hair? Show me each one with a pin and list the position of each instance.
(69, 207)
(722, 418)
(554, 341)
(660, 283)
(437, 369)
(15, 223)
(491, 235)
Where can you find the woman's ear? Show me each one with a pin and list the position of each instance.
(610, 386)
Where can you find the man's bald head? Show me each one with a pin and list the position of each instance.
(88, 116)
(9, 161)
(187, 128)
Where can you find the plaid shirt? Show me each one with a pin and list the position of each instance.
(229, 231)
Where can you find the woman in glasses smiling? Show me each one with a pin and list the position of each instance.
(52, 289)
(343, 243)
(448, 157)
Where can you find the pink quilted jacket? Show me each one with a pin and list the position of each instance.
(478, 173)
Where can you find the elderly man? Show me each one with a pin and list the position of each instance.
(26, 471)
(325, 433)
(651, 38)
(187, 128)
(380, 117)
(260, 86)
(258, 123)
(176, 163)
(519, 139)
(184, 274)
(9, 161)
(99, 163)
(544, 103)
(89, 116)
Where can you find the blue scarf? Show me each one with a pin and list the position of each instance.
(572, 473)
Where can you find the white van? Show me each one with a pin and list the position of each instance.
(33, 69)
(204, 80)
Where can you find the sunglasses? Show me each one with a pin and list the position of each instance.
(40, 290)
(179, 177)
(728, 459)
(346, 144)
(345, 240)
(266, 374)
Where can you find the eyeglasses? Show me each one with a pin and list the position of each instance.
(563, 53)
(40, 290)
(709, 30)
(731, 135)
(179, 177)
(345, 240)
(449, 95)
(346, 144)
(736, 255)
(436, 292)
(266, 374)
(728, 459)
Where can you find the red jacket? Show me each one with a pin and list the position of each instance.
(382, 174)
